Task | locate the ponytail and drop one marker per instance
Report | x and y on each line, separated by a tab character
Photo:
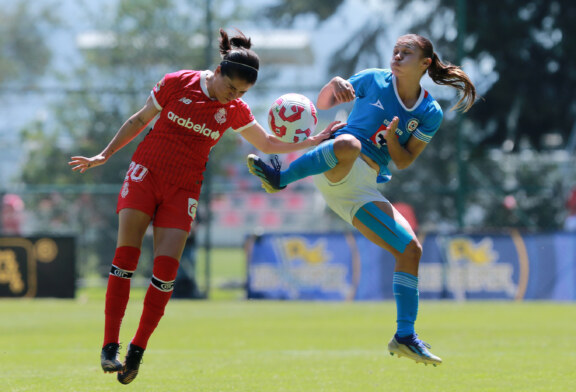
452	75
444	74
238	60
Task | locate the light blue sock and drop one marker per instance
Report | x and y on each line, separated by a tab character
315	161
405	287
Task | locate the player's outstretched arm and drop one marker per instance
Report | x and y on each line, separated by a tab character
270	144
128	131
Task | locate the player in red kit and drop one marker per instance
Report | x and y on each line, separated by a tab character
162	184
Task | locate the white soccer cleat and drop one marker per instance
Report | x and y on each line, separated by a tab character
413	348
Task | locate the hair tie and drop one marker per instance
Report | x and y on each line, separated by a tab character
234	62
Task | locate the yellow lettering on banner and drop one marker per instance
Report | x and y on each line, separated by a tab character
466	249
10	272
297	248
17	270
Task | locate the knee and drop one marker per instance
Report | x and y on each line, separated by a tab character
347	147
413	252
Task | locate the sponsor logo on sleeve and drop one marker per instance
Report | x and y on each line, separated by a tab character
159	85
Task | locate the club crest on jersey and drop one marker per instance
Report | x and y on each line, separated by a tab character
192	207
412	125
220	116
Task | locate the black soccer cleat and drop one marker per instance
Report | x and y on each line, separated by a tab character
270	176
109	358
132	362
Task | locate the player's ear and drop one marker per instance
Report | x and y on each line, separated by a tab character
426	62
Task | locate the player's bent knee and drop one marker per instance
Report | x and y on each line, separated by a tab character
414	249
412	254
347	146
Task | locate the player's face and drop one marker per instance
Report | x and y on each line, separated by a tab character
407	60
226	89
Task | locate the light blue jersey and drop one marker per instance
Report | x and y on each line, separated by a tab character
376	104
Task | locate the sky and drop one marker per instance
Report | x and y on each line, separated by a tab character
19	110
324	39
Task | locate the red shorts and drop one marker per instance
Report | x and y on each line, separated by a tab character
168	205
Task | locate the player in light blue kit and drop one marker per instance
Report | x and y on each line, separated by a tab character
393	119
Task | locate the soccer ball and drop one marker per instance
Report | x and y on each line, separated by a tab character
292	118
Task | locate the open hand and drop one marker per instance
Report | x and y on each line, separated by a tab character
327	132
82	164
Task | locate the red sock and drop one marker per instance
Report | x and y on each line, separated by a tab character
157	296
118	291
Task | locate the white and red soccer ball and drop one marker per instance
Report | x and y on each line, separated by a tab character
292	117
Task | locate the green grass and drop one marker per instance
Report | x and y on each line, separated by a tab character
236	345
230	344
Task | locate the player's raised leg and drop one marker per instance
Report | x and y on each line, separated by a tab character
333	157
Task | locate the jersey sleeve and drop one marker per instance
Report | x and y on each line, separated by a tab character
164	89
244	117
432	120
361	81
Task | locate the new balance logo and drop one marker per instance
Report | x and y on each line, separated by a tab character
378	104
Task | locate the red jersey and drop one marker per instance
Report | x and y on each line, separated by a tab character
190	124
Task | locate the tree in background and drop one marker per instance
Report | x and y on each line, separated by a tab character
134	45
521	56
24	52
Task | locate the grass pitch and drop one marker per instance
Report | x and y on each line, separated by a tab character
237	345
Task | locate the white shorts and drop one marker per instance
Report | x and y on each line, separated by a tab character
348	195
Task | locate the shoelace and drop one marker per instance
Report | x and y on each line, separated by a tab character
419	342
423	343
136	358
276	164
110	349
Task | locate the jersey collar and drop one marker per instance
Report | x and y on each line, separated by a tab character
203	76
420	98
